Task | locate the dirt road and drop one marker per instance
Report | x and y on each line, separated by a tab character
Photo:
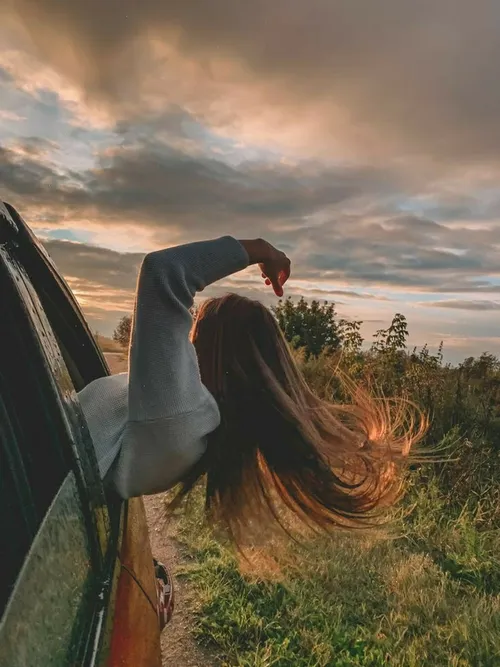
178	646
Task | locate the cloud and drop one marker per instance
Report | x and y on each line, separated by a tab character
102	280
398	77
24	74
146	180
341	225
10	116
458	304
25	174
35	147
333	293
102	265
456	347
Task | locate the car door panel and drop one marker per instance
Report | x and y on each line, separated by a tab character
53	589
134	644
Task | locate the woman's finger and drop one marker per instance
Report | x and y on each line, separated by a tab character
283	276
274	280
278	290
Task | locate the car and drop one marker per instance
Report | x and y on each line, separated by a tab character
78	584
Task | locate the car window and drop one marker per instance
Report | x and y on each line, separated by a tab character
83	360
33	461
16	511
71	352
53	511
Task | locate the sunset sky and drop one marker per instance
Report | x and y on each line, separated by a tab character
360	136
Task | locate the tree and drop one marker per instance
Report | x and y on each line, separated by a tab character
350	336
123	331
390	357
311	326
392	340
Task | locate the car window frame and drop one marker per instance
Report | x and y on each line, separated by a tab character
71	330
63	402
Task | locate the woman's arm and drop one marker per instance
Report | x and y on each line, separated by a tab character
170	410
164	379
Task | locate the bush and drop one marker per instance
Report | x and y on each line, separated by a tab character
309	326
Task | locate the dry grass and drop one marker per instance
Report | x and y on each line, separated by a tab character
109	345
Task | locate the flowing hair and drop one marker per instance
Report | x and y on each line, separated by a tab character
280	449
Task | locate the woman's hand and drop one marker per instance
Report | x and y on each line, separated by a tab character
276	270
274	264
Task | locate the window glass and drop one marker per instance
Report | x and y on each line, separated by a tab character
78	351
65	433
27	402
16	512
54	526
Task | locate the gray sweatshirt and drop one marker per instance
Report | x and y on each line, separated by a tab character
149	426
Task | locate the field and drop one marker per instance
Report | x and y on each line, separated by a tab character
428	595
109	345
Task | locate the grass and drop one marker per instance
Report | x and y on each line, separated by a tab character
430	596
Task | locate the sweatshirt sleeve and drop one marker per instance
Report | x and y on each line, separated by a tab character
170	411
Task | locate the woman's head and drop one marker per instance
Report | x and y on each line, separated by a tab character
279	444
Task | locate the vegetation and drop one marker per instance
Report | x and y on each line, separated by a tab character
108	344
429	595
123	331
311	327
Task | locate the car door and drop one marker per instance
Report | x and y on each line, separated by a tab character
71	550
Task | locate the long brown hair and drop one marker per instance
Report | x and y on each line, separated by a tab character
278	444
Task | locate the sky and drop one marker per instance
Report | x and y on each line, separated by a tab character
361	137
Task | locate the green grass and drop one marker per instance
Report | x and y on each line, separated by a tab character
429	597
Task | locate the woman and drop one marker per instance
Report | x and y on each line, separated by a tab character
230	403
